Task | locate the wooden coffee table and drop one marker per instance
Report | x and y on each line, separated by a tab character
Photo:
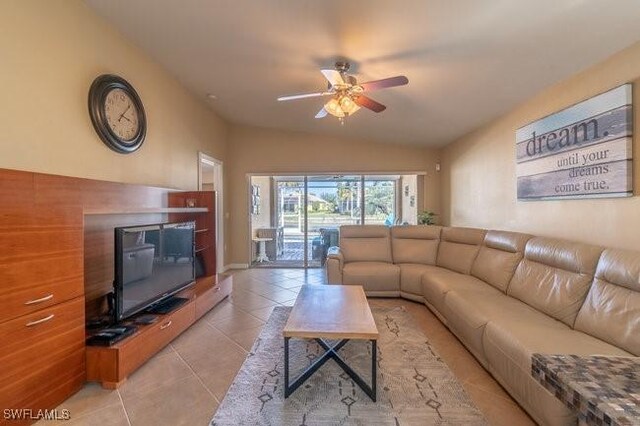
333	312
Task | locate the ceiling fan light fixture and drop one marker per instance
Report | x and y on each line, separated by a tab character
333	107
347	94
348	105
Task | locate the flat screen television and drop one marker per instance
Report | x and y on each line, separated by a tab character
152	263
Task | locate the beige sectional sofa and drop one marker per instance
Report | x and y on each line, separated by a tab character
505	295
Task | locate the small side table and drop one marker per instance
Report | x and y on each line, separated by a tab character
262	249
603	390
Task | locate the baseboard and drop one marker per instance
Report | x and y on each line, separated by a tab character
236	266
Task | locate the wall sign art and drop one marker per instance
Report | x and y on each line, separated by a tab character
255	199
584	151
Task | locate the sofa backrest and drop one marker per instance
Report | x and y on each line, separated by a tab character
365	243
554	276
415	244
611	311
498	257
459	247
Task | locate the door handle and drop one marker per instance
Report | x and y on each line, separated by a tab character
165	325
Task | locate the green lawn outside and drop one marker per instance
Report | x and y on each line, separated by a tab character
324	219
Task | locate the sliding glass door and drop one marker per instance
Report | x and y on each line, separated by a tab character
381	200
332	201
291	220
297	218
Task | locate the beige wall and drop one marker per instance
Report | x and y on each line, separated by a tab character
478	171
51	52
268	151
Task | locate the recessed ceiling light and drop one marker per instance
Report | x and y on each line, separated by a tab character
211	96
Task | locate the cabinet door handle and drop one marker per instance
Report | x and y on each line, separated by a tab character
40	321
165	325
42	299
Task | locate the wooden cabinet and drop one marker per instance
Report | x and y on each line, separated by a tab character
57	266
42	356
210	292
111	365
42	323
37	283
205	224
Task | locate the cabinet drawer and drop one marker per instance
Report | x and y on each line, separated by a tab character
32	285
135	351
211	297
39	352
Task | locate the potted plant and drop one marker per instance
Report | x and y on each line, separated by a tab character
427	218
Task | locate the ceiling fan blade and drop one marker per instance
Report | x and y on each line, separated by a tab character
322	113
399	80
304	95
369	103
334	77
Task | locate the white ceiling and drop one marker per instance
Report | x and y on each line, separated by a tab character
468	61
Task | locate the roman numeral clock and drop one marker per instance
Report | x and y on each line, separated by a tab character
117	113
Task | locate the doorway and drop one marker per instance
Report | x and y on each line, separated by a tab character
210	178
295	219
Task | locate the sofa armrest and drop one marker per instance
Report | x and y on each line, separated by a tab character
334	265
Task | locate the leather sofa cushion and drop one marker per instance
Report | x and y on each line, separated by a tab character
415	244
439	281
498	257
508	345
469	311
459	248
611	311
373	276
411	277
554	276
365	243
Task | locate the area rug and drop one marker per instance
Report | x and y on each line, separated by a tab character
415	387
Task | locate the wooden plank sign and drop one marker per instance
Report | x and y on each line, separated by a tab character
584	151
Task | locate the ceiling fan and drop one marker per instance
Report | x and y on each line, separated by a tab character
347	94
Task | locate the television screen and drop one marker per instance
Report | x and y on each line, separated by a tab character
152	262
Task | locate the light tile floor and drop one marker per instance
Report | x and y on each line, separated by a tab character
185	382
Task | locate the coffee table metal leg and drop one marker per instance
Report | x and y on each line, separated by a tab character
331	353
369	390
289	388
374	368
286	367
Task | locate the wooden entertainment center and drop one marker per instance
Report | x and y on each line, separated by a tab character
57	235
112	364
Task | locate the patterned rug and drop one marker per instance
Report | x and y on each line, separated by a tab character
415	387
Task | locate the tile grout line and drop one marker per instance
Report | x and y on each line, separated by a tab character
126	414
233	341
198	377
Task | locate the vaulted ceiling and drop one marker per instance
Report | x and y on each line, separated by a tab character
467	61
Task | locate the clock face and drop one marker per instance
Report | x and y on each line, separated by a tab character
121	114
117	113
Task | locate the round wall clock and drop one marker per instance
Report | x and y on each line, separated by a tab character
117	113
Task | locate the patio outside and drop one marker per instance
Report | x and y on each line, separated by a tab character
330	204
332	201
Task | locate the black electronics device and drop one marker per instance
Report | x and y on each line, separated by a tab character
145	319
111	335
169	305
152	263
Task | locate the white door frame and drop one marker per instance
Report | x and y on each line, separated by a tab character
218	182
